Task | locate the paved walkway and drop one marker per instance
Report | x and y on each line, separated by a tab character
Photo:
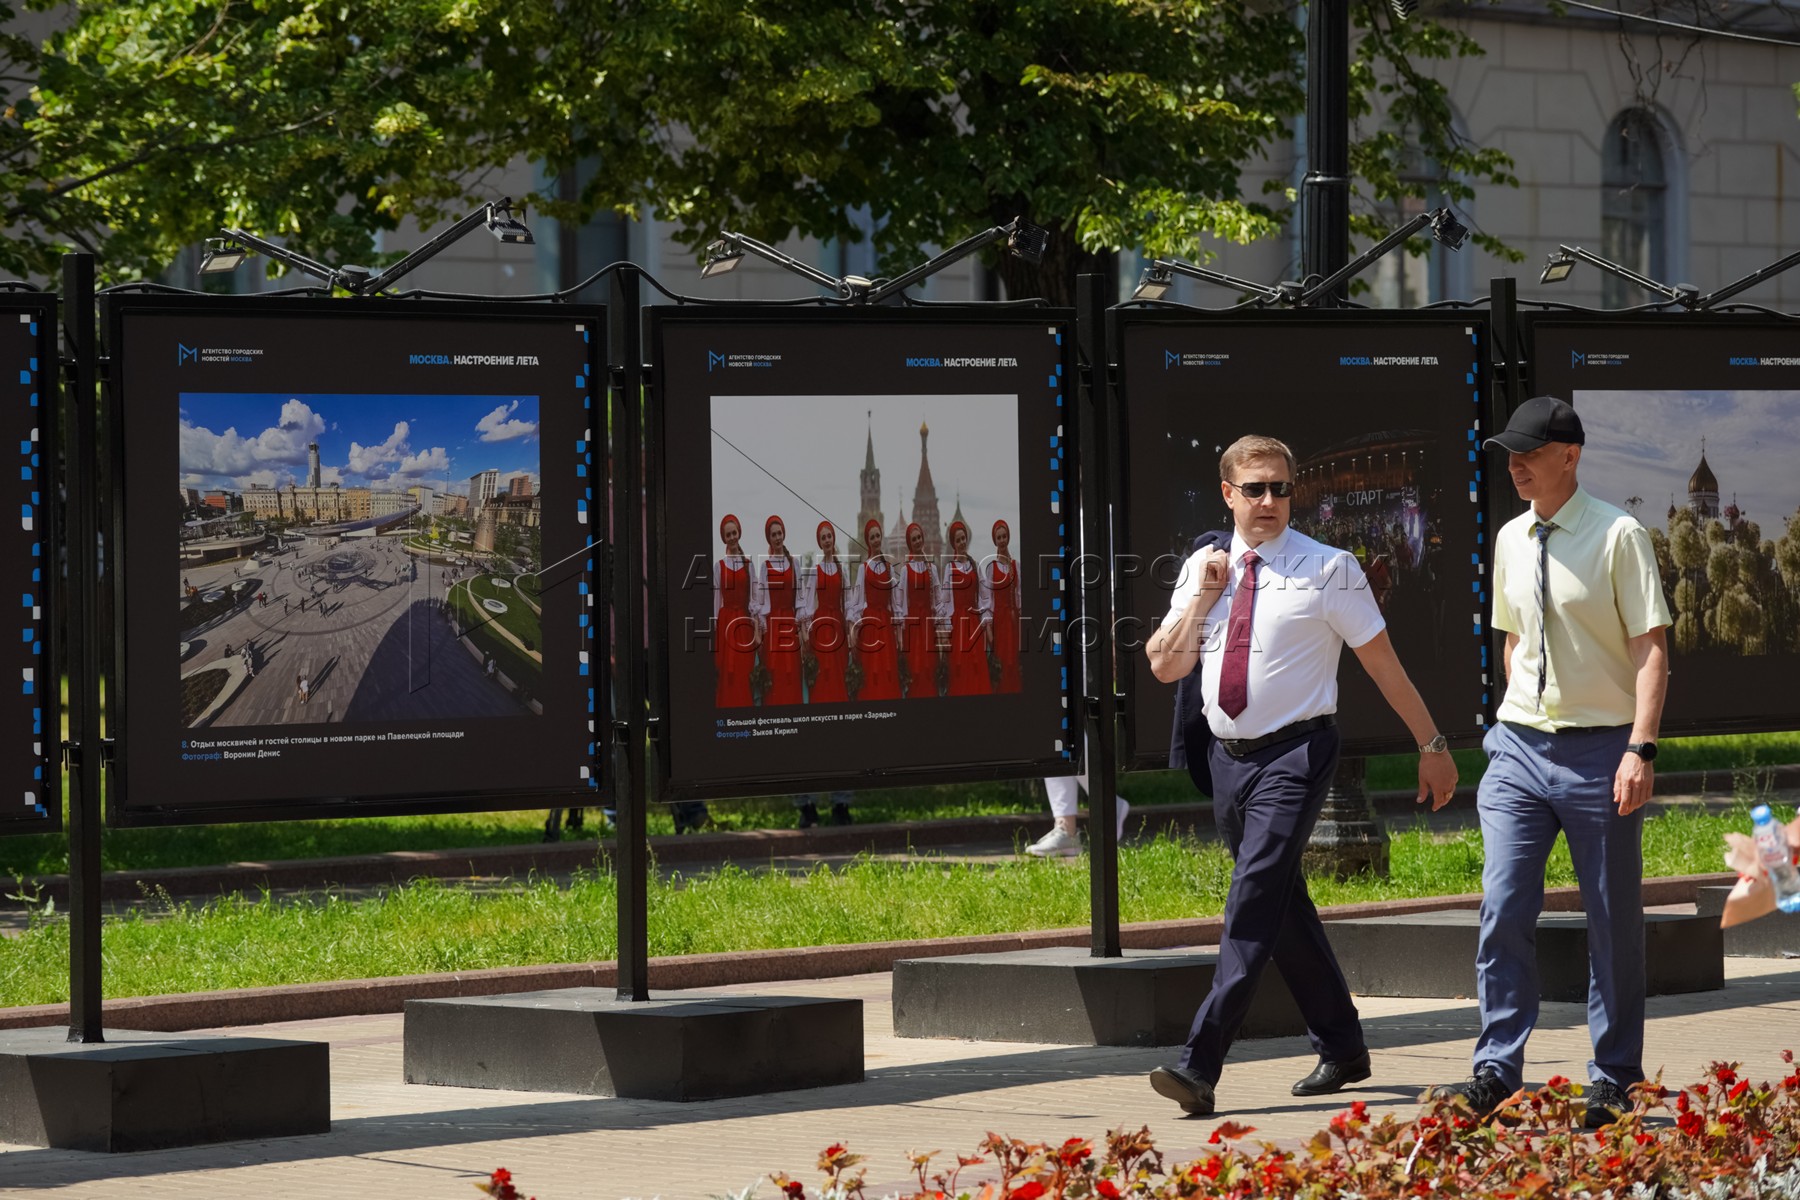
372	641
390	1139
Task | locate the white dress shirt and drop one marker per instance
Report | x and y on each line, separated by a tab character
1311	601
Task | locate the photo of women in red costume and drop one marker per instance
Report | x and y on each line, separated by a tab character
875	612
773	602
918	642
822	619
1000	607
960	604
734	632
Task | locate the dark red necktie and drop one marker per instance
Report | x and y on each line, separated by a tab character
1234	673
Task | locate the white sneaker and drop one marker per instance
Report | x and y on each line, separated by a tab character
1058	843
1124	811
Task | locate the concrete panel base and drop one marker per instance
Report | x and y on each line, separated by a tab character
584	1040
1774	936
151	1091
1062	995
1433	954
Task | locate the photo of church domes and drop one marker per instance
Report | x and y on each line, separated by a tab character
1721	499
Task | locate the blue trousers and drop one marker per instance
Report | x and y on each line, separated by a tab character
1537	784
1265	805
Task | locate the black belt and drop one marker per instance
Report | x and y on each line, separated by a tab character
1287	733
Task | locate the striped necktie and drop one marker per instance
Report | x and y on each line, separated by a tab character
1541	531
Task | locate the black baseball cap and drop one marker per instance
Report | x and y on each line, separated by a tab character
1538	422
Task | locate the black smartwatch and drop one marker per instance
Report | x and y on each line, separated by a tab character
1644	750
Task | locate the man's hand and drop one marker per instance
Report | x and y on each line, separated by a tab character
1632	783
1215	569
1437	778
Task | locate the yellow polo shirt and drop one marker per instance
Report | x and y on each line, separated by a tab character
1604	590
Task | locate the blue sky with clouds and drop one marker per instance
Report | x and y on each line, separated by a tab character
237	440
1647	444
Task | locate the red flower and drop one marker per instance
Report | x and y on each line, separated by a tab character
793	1189
1030	1191
1727	1076
1109	1189
1743	1085
501	1176
1691	1124
1073	1151
1681	1102
1557	1081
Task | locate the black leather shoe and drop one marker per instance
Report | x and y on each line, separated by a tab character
840	814
809	815
1185	1088
1329	1077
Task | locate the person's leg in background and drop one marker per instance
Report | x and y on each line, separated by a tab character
1064	794
807	804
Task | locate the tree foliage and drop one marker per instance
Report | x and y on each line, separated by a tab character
1114	123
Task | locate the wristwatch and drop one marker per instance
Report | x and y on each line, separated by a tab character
1440	744
1644	750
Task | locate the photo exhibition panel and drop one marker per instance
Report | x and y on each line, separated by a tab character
869	526
1383	416
1689	422
379	574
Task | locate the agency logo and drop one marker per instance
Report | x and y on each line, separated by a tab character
185	354
714	359
1576	358
1171	358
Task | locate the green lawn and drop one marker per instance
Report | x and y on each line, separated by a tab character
519	619
431	926
142	849
478	625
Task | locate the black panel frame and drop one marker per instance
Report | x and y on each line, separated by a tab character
1543	377
329	804
1148	751
670	787
48	590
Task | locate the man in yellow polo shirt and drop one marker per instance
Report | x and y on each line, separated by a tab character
1577	593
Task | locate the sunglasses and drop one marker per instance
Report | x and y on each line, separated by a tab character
1281	488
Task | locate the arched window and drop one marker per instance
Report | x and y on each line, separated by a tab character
1634	204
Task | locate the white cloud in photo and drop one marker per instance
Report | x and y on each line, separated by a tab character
425	463
369	460
204	452
1646	444
501	426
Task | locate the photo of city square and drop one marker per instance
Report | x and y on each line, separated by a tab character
358	558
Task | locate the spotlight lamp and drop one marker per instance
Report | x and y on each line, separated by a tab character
1447	230
1403	9
223	256
509	229
722	257
1159	277
1565	258
497	216
1154	283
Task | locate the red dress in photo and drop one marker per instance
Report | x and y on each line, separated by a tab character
968	641
876	637
1003	585
921	637
781	635
829	647
734	639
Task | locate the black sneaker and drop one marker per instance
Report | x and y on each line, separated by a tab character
1606	1103
809	815
1484	1091
840	814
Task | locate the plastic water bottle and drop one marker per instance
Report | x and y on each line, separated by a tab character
1772	849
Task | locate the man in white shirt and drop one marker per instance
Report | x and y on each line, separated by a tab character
1267	621
1579	596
